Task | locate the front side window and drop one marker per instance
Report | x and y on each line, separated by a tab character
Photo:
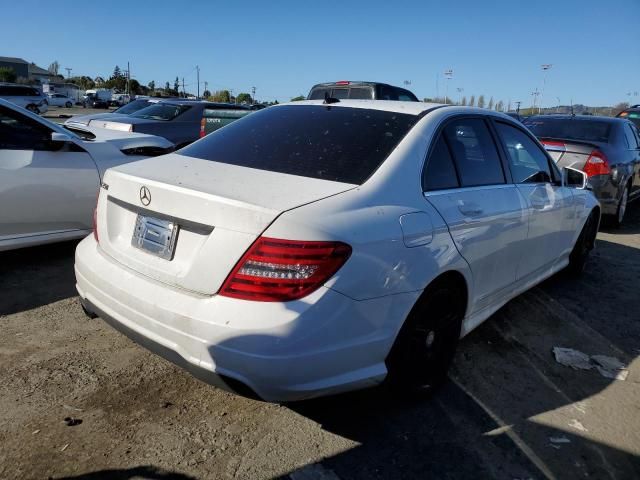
474	152
334	143
527	161
440	172
20	133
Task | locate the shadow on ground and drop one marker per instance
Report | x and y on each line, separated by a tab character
32	277
143	473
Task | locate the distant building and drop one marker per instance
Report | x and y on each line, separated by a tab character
41	75
98	81
20	66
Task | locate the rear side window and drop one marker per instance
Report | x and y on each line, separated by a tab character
527	160
359	93
319	93
474	152
630	136
161	111
570	129
327	142
440	172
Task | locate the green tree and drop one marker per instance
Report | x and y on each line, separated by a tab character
152	85
116	72
167	87
490	105
463	101
176	84
244	98
472	101
620	107
298	98
134	87
206	94
500	106
7	74
221	96
481	101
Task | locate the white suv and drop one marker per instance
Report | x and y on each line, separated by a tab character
24	96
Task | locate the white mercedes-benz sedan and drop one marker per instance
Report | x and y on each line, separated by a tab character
319	247
49	175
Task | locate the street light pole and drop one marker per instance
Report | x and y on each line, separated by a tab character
448	75
460	90
198	75
545	68
253	95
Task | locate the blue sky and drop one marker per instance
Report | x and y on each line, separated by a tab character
495	48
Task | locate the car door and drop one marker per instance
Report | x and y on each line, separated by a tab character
552	212
464	179
633	141
45	187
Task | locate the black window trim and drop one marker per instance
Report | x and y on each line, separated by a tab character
506	172
553	168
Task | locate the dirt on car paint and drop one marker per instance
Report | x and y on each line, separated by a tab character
509	411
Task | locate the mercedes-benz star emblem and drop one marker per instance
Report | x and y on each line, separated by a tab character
145	196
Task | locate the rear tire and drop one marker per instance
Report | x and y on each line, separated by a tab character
584	245
425	347
33	108
68	105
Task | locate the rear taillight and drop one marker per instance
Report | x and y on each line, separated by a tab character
275	270
597	164
343	82
203	123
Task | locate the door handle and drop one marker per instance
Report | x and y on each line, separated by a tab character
470	209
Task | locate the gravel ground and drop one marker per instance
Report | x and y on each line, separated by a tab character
510	410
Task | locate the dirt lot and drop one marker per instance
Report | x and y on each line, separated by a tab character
510	410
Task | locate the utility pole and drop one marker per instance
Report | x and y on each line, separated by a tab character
128	92
68	69
206	86
545	68
517	106
198	71
253	95
184	92
460	90
534	95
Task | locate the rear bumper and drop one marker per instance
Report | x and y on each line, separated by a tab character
607	192
323	344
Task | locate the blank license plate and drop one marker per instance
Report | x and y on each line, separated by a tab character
155	236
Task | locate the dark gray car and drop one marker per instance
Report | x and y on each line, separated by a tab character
179	121
606	149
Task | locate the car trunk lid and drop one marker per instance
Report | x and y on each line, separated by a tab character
218	211
569	153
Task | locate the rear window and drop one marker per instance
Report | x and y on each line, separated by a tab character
132	107
319	93
570	129
326	142
161	111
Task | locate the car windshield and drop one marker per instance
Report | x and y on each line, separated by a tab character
570	129
132	107
161	111
330	143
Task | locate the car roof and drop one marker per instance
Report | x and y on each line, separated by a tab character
587	118
412	108
349	83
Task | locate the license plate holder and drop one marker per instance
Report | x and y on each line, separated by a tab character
155	236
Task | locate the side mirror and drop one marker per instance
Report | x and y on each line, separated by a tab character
574	178
59	137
